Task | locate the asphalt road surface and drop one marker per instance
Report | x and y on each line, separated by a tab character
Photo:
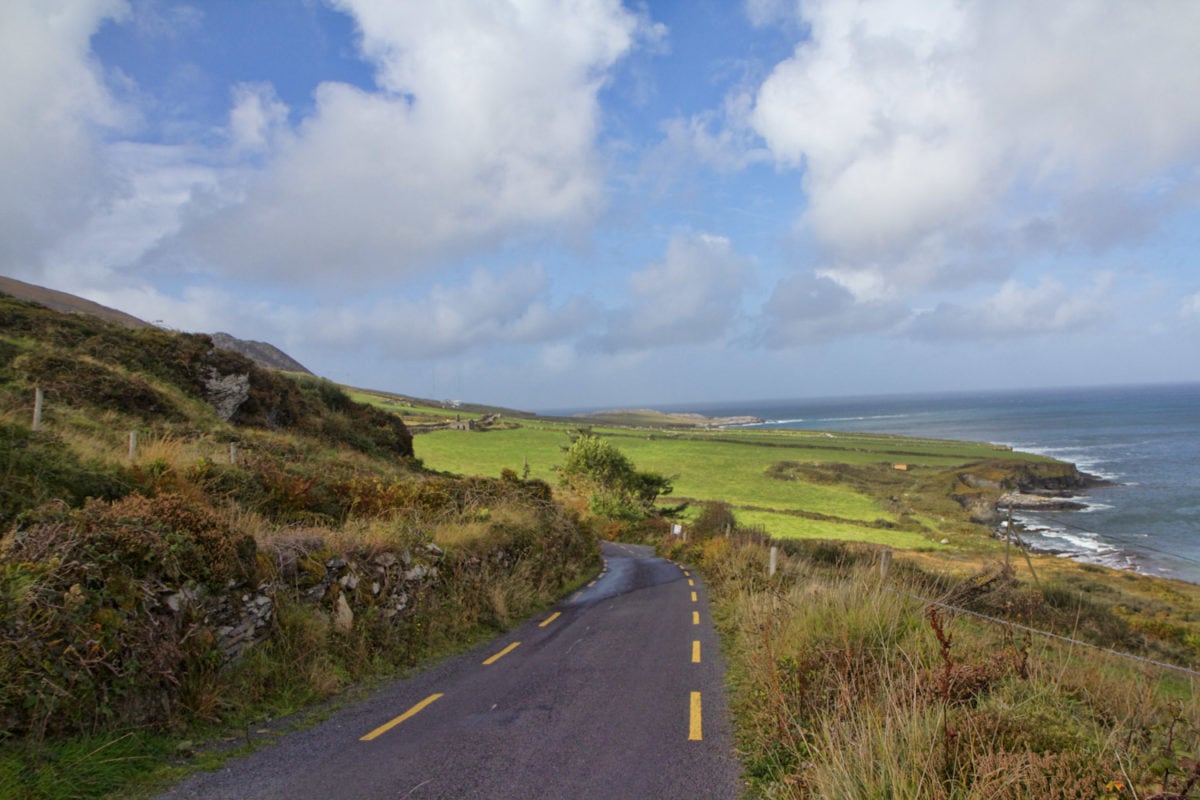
616	692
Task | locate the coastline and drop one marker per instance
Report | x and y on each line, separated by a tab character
1139	445
1031	533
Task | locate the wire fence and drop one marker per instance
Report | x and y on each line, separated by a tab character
1037	631
1047	634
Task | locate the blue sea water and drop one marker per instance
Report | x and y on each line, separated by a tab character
1145	439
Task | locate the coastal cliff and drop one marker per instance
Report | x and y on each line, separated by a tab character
989	489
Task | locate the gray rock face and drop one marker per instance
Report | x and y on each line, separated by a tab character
343	617
226	393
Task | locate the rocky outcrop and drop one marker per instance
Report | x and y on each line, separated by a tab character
1036	502
226	393
992	487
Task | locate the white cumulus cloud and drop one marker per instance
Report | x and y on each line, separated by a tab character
927	129
55	107
482	126
258	116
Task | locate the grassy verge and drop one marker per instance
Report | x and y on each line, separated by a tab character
846	685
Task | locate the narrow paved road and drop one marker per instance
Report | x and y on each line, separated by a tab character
614	693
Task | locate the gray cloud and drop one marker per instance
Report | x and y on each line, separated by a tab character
1018	310
488	311
692	296
809	308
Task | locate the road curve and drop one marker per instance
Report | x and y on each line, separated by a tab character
616	692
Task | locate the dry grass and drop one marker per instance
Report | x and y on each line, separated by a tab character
847	687
465	533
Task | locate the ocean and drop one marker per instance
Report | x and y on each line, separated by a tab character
1144	439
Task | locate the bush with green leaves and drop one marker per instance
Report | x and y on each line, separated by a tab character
596	469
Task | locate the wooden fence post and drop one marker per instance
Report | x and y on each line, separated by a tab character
773	564
132	445
37	408
233	452
885	563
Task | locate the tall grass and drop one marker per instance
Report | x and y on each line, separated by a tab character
846	686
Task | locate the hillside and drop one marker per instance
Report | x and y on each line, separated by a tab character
67	303
262	353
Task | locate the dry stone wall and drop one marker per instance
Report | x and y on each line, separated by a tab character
339	586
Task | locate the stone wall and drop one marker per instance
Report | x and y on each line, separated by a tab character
339	586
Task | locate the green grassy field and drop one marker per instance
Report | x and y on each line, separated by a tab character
839	489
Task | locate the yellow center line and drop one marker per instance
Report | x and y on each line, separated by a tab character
694	597
549	619
687	574
696	651
382	729
691	582
695	617
694	728
502	654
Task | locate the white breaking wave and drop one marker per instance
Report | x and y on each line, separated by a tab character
1083	541
1091	505
863	418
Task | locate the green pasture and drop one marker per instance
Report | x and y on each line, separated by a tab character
787	526
487	453
729	466
735	474
404	407
847	448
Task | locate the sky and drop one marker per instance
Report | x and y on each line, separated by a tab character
591	203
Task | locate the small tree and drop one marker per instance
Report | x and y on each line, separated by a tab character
596	468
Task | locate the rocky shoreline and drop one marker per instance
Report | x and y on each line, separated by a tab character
1039	495
1019	501
1051	493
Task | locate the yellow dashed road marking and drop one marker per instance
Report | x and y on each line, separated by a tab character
501	654
382	729
695	732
